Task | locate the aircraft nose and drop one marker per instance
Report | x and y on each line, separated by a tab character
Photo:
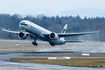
20	24
23	24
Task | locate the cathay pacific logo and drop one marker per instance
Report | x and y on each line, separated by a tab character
63	31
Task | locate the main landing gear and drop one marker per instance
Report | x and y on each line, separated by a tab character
52	44
34	43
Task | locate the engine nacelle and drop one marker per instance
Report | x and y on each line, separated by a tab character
22	35
53	36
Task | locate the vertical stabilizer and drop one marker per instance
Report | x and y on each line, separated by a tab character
63	31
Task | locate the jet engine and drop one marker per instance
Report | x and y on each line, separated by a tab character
22	35
53	36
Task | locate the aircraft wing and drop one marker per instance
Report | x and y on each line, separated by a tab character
76	34
14	31
10	31
73	34
17	32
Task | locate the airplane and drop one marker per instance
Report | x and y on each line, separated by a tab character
37	32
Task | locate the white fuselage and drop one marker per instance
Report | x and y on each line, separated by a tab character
38	32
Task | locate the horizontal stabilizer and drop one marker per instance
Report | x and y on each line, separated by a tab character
71	41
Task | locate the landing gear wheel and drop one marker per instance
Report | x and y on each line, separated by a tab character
34	43
52	44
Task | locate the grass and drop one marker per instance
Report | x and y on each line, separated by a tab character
94	55
78	62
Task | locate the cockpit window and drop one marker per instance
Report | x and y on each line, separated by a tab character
23	23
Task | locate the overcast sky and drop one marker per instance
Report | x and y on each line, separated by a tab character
52	7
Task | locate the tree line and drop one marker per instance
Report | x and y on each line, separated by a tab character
56	24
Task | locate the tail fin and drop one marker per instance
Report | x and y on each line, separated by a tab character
63	31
